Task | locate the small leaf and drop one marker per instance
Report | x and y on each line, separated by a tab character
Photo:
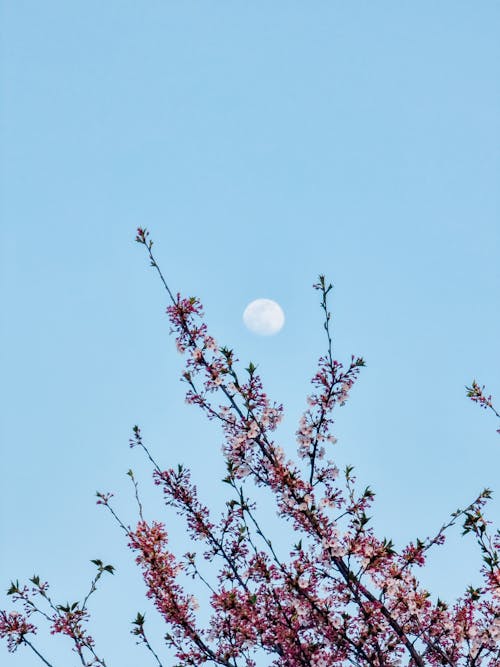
251	368
139	619
14	588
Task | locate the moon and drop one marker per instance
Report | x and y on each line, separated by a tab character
264	317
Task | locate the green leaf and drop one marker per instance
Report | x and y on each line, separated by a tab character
251	368
14	588
139	619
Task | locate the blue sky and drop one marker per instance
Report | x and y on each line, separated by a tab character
261	143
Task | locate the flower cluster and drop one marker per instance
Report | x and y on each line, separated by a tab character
15	627
63	619
476	393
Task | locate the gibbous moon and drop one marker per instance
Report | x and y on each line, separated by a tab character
264	317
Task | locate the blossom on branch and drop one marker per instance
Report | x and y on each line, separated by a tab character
340	594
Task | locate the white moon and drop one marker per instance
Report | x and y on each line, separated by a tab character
264	317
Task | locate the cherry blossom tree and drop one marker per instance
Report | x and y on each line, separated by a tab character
343	596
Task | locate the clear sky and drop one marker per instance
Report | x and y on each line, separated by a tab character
261	143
